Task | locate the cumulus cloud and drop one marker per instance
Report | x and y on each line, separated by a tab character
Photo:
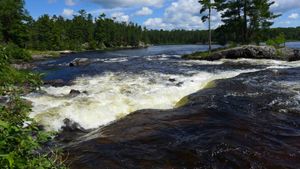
285	5
120	17
181	14
144	11
128	3
68	12
70	2
294	16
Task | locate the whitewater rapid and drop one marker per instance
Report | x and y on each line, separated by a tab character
110	96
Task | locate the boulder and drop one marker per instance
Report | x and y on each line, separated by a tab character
290	54
4	100
248	51
172	79
74	93
79	62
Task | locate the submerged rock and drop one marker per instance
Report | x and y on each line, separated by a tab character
74	93
79	62
55	83
70	131
172	79
249	121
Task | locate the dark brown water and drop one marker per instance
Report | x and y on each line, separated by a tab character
247	121
250	121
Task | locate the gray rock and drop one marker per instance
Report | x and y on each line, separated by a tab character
55	83
256	52
4	100
289	54
248	51
23	66
80	62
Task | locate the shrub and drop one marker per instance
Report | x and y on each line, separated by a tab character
14	52
276	42
20	146
21	139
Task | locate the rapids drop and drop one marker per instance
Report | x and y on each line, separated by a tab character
114	95
126	81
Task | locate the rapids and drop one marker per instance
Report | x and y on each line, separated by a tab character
148	108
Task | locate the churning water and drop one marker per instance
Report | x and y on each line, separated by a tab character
247	118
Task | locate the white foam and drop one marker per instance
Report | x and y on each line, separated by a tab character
114	95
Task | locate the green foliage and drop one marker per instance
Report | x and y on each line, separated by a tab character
203	54
13	52
244	20
276	42
13	19
20	146
21	139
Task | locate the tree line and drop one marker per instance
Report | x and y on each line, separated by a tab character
244	21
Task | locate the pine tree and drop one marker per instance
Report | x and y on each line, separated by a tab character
13	19
207	5
245	17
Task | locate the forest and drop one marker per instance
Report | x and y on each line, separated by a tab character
87	32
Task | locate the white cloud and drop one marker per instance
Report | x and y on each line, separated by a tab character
68	12
294	16
70	2
182	14
285	5
120	17
128	3
144	12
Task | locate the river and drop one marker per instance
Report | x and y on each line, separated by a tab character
247	118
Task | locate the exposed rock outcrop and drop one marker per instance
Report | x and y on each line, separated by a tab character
229	124
23	66
253	52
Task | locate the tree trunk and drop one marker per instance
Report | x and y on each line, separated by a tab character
245	31
209	27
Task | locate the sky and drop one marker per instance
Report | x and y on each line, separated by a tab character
154	14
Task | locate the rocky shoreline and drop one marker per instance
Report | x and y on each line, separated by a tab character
249	51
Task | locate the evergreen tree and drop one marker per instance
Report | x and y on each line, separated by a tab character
207	5
252	16
13	19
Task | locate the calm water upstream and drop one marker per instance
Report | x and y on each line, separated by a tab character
248	118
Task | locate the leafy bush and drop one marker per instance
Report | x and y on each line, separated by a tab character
279	40
20	146
13	52
21	139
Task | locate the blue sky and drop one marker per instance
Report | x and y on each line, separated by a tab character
154	14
